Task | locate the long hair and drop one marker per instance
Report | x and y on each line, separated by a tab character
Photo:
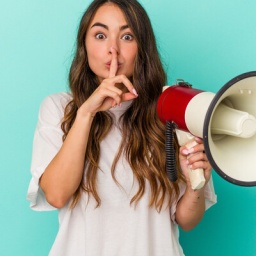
143	134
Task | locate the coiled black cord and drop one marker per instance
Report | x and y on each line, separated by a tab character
170	152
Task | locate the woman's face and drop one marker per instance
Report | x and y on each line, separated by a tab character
109	29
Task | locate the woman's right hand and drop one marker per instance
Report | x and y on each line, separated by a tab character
107	94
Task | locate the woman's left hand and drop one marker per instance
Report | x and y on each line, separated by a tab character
194	158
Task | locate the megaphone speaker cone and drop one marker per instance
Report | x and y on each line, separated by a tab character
229	130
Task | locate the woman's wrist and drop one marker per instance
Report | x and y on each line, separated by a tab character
84	115
194	194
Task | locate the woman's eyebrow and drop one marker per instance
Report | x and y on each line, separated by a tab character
98	24
124	27
106	27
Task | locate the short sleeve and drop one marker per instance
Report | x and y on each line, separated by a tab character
209	194
47	142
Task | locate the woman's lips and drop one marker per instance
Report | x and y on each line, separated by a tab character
109	64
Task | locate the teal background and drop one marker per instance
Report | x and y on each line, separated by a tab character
207	43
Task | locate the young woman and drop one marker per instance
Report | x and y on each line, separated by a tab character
99	151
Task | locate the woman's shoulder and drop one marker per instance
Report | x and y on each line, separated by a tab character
61	98
56	100
53	106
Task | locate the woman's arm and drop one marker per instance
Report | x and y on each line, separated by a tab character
191	207
63	175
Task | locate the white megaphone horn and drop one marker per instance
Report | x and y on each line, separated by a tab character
225	121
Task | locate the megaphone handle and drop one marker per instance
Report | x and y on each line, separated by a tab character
196	176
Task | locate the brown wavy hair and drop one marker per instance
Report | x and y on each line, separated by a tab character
143	134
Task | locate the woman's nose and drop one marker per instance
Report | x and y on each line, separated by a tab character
113	49
114	44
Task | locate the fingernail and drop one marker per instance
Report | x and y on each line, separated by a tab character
134	92
185	151
191	150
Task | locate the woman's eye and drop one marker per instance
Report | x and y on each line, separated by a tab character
100	36
128	37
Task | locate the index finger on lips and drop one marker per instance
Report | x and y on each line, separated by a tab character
114	63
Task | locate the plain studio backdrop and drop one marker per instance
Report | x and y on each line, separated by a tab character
206	43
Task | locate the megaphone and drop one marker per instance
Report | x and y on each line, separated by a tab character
225	121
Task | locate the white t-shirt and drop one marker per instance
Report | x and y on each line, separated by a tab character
116	228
